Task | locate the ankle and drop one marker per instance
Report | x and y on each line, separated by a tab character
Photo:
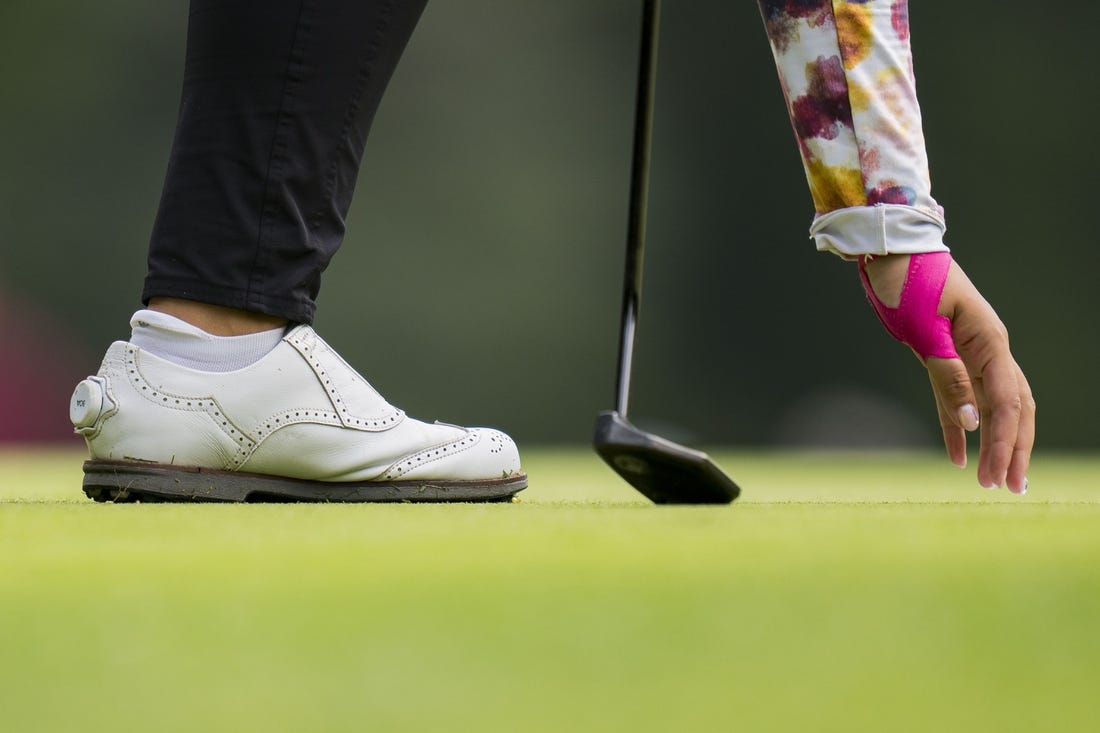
185	344
216	320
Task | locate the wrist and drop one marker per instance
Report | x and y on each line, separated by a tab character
914	317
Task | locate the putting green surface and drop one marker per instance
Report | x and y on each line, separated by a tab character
841	593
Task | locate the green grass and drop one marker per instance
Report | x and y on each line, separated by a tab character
879	593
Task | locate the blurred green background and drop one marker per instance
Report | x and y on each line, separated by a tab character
480	279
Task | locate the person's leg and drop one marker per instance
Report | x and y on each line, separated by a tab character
213	397
278	98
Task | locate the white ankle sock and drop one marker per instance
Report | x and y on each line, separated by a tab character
181	343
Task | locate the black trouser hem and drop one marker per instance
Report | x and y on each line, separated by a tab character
291	309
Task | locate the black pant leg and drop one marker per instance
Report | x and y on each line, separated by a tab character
278	98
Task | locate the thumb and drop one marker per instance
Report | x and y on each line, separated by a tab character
956	402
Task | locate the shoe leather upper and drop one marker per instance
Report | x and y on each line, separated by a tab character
301	412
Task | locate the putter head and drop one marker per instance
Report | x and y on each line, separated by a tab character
666	473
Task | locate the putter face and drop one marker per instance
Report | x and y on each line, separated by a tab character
664	472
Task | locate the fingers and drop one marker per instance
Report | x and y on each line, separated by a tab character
1004	402
985	376
1025	439
955	403
1005	414
1002	413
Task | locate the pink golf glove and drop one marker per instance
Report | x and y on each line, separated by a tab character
915	321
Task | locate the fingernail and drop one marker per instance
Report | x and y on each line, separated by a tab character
990	486
1024	489
968	416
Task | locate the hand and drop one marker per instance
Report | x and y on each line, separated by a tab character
985	381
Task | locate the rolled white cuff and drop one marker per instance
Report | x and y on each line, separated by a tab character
882	229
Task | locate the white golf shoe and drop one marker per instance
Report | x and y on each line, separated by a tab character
298	425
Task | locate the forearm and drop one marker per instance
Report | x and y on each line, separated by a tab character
847	75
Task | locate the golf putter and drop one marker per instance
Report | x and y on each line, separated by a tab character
666	473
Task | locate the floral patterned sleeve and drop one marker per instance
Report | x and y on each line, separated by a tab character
847	74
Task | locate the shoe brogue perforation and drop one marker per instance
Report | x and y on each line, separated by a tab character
315	351
246	444
498	442
207	405
430	455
